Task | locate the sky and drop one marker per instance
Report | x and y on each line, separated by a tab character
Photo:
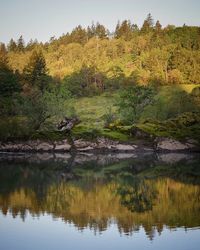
43	19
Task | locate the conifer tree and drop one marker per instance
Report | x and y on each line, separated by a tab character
8	80
36	72
158	27
148	24
20	44
12	46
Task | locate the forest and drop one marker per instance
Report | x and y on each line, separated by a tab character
148	77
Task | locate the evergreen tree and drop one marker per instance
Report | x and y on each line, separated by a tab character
12	46
36	72
20	44
148	24
3	53
124	30
32	44
158	27
117	30
91	31
9	83
149	20
79	35
100	31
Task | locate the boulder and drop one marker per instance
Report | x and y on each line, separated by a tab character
62	147
44	146
124	147
169	144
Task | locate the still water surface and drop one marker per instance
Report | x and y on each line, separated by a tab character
99	202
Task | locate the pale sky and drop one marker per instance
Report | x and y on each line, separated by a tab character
43	19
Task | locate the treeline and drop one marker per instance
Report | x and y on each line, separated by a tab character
99	60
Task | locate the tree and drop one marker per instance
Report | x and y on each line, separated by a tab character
148	24
35	72
38	107
91	30
158	27
149	20
132	102
31	44
12	46
8	80
87	81
100	31
20	44
78	35
125	30
3	53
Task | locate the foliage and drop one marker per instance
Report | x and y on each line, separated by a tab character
9	82
167	55
35	73
132	102
37	80
13	128
183	126
38	107
170	102
109	117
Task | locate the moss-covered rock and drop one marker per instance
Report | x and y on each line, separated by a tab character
185	126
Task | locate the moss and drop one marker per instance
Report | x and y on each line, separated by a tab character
49	135
89	133
85	132
184	126
115	135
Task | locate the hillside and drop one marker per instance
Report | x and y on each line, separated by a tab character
146	78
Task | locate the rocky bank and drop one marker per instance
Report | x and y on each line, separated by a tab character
160	144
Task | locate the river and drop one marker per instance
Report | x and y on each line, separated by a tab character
99	201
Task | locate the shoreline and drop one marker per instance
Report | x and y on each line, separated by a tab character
101	145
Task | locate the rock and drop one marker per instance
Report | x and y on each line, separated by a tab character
15	147
62	146
89	148
44	146
101	144
81	143
124	147
168	144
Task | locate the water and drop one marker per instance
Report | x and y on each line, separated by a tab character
115	201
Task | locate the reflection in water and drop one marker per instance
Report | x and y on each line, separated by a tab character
166	203
128	193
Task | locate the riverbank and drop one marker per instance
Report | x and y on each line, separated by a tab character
159	144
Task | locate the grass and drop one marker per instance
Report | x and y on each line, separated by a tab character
91	110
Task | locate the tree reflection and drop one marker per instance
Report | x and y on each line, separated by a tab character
95	202
137	197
